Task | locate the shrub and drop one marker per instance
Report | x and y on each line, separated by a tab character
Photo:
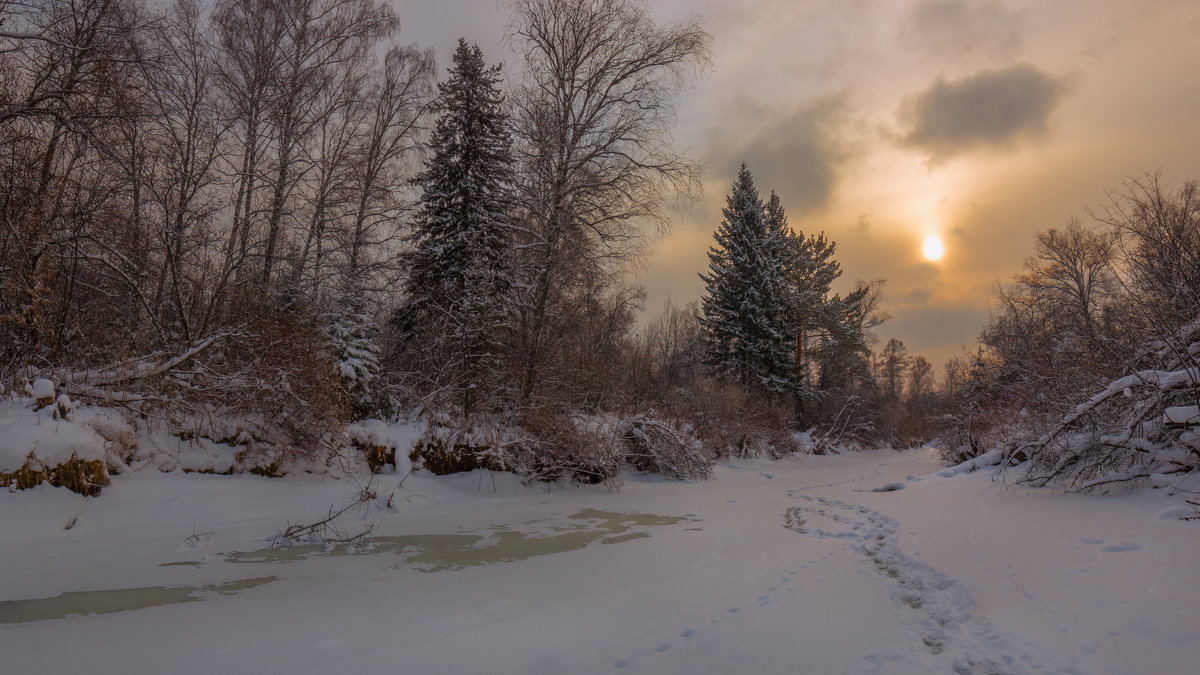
652	446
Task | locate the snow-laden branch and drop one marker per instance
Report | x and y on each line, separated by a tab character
96	382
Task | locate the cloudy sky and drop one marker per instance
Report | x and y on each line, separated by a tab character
881	122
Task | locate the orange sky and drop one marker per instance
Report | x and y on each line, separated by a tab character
880	122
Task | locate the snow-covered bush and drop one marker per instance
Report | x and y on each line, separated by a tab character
1140	427
550	445
651	445
445	448
39	445
564	446
264	399
374	440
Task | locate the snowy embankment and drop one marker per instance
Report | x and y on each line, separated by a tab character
41	436
812	565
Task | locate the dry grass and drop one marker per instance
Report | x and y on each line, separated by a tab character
377	456
84	477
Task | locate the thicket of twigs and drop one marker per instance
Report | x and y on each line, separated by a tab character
1089	370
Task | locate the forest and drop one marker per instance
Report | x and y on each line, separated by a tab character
259	226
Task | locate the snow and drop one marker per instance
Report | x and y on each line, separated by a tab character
1187	414
43	388
808	570
41	438
987	459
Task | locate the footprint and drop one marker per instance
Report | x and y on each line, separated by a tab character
1122	547
687	633
934	604
733	610
620	663
662	648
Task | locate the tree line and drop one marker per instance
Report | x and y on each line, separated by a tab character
262	219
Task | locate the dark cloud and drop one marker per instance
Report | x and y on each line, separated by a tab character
990	110
955	28
797	153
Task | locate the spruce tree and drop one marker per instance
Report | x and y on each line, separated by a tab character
746	308
457	293
354	338
816	316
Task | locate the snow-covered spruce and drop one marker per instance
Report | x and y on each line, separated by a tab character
457	294
748	317
354	338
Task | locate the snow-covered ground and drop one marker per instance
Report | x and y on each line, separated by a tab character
856	563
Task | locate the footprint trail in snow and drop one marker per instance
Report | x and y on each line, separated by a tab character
933	608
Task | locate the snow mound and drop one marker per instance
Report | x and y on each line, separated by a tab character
985	460
1177	513
396	437
43	438
42	389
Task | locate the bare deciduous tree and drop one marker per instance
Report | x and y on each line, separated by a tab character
593	117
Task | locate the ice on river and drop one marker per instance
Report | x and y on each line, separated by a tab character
810	565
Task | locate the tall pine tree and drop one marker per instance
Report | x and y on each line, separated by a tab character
457	294
747	308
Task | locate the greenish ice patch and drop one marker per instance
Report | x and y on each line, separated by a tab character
438	552
79	603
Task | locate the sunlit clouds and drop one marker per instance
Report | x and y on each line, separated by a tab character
983	122
880	122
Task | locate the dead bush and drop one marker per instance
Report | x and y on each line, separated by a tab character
550	443
653	446
730	421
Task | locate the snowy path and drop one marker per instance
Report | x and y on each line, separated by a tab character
866	563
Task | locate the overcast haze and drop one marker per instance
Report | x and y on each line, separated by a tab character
882	122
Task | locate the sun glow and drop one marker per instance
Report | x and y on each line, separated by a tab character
933	248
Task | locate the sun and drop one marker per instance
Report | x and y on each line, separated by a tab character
933	248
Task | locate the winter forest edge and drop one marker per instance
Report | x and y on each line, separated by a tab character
246	237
